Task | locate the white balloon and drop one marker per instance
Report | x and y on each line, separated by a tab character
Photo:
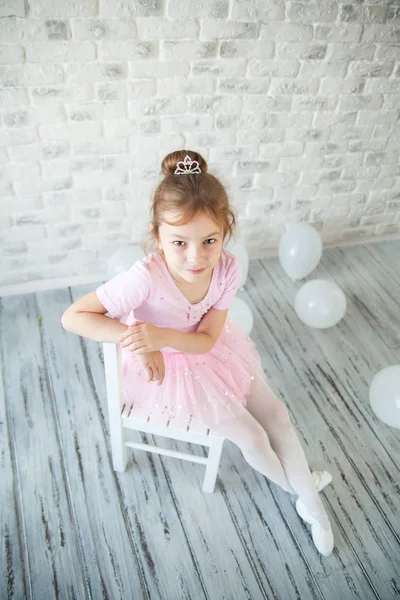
241	313
320	303
238	249
384	395
123	259
300	250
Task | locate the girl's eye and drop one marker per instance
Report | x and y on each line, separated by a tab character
212	240
178	243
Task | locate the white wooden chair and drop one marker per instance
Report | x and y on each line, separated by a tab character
124	420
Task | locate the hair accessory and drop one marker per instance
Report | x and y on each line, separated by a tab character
188	166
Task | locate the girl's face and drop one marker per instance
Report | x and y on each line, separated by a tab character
192	250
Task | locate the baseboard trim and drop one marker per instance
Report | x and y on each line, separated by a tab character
30	287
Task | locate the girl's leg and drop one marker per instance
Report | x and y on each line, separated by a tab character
248	434
273	416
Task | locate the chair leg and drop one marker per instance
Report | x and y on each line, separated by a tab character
118	449
214	457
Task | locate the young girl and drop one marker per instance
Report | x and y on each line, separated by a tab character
181	355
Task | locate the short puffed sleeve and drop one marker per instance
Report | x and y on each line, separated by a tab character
126	291
233	274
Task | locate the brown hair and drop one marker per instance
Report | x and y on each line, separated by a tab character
189	195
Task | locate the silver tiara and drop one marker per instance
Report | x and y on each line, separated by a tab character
187	166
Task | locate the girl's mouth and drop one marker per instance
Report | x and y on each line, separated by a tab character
196	272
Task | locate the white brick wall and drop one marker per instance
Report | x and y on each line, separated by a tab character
294	104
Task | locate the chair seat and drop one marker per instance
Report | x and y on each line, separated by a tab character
185	430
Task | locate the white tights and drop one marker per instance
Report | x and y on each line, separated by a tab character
270	445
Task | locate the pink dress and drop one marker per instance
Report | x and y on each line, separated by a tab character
211	387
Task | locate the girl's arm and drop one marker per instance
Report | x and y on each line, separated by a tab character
145	337
86	317
204	338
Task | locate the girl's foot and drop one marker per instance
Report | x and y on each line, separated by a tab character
322	537
321	479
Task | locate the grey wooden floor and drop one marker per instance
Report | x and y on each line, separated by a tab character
71	527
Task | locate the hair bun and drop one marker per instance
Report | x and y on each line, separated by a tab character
170	162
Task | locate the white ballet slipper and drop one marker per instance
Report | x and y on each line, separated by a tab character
321	479
322	538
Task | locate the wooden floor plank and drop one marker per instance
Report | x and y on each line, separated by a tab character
13	531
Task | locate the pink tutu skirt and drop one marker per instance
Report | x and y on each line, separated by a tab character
210	388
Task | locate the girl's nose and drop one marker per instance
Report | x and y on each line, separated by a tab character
195	256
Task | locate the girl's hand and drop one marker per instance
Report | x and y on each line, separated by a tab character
141	338
153	365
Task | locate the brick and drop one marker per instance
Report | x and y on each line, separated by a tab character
339	33
357	102
15	137
273	68
22	75
241	121
216	104
314	103
275	179
264	136
191	50
286	32
348	51
165	29
156	68
31	116
12	55
289	86
99	146
158	106
258	10
127	50
91	72
103	29
232	153
386	52
131	8
60	52
77	92
217	9
210	138
308	51
49	8
305	13
382	85
370	69
280	150
294	134
73	132
12	8
220	68
267	103
96	111
224	28
12	98
322	68
381	33
240	48
186	85
327	119
373	117
363	14
243	86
